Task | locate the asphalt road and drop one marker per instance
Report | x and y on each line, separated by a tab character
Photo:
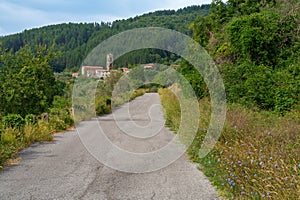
64	169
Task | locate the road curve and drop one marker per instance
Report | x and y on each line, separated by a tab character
64	169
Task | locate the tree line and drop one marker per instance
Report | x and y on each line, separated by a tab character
76	40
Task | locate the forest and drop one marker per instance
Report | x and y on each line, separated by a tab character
256	47
75	41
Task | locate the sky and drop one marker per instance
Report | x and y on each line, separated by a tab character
18	15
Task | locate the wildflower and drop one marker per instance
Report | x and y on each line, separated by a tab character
286	178
219	159
276	166
268	193
243	145
255	175
243	187
271	158
263	196
282	189
249	152
230	156
261	163
269	133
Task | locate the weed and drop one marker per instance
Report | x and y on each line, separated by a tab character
257	155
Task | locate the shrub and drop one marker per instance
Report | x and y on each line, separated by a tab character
13	121
103	105
60	119
9	136
57	124
9	144
30	119
171	107
14	139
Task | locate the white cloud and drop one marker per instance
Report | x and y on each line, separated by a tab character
176	4
12	13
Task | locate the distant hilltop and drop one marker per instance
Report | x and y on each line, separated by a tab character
75	40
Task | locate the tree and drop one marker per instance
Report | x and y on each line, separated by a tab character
27	81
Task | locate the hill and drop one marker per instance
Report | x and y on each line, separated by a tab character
75	40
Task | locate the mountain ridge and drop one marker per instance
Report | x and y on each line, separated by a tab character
76	40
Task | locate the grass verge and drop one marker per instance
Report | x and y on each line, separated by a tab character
257	155
15	139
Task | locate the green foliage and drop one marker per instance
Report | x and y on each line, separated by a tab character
256	37
13	121
60	114
14	139
171	107
8	144
194	78
75	41
103	96
103	105
262	87
257	154
27	89
27	81
30	119
256	45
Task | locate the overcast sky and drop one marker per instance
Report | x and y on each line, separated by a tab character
18	15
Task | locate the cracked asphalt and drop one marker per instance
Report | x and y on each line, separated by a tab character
63	169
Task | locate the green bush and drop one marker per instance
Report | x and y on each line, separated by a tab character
13	121
9	136
9	144
103	105
30	119
60	114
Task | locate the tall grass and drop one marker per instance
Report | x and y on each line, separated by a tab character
257	155
15	139
171	107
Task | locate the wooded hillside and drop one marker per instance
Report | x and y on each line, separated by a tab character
75	41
